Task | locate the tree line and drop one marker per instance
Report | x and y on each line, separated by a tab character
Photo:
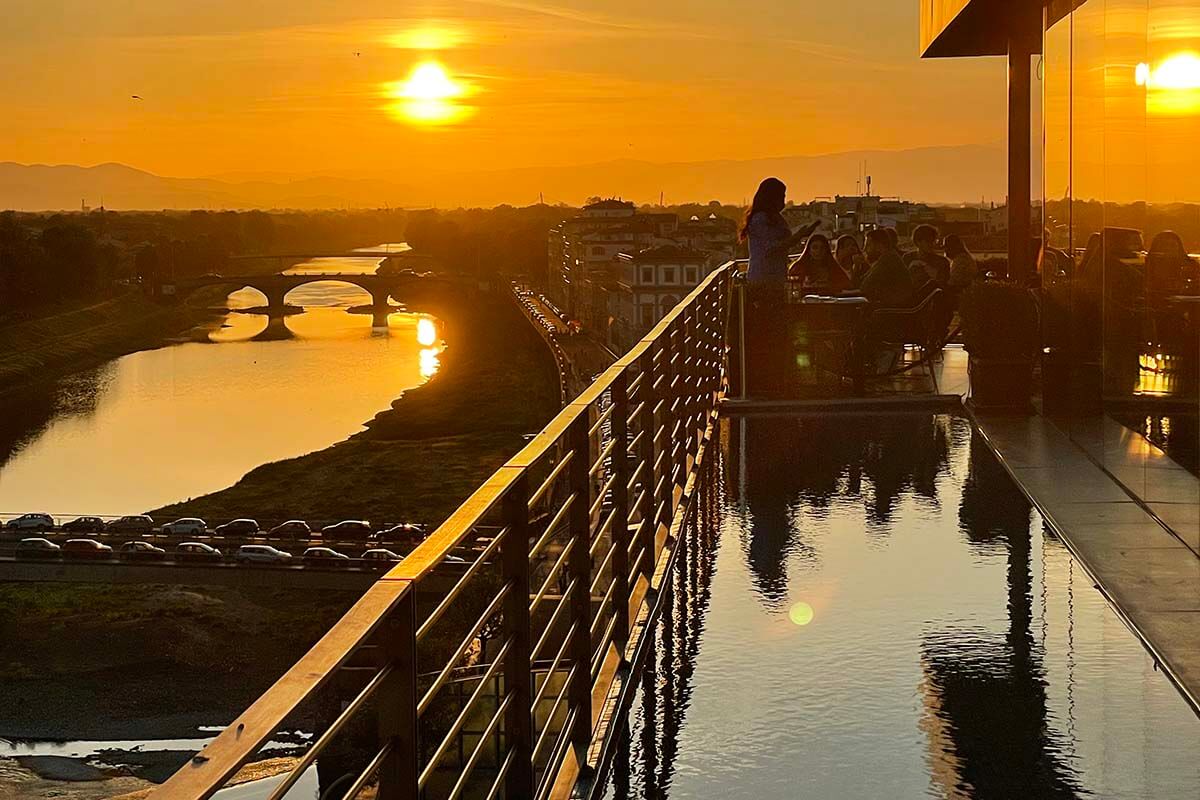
49	259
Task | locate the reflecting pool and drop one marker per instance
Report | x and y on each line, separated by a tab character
868	608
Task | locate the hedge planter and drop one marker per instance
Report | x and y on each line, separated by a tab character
1002	335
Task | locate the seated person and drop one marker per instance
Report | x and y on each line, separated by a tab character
963	269
850	258
925	263
1169	268
816	267
886	283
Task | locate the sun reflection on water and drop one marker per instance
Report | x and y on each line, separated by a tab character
430	363
426	332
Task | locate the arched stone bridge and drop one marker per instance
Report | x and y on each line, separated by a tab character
277	286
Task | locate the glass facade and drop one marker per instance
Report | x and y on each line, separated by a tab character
1120	274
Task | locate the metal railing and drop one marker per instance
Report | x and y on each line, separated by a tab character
495	687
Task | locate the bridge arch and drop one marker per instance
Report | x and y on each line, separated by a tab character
313	289
216	292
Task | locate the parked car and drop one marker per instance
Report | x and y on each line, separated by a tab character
294	528
84	525
140	551
347	529
262	554
238	527
86	548
31	522
325	557
134	523
36	547
404	533
380	558
186	526
197	551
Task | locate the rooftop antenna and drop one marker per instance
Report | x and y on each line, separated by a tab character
660	199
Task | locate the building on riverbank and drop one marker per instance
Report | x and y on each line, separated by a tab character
650	284
586	262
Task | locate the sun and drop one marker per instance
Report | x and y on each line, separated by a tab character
429	81
429	95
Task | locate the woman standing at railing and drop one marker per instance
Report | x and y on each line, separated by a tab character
769	239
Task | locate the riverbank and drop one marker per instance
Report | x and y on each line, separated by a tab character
106	662
75	339
419	459
102	662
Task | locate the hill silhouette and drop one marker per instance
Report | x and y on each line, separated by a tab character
952	174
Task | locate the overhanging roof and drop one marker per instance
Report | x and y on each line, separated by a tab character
954	28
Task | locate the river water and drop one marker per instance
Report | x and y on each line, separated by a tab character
180	421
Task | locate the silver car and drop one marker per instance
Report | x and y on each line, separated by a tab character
186	526
262	554
31	522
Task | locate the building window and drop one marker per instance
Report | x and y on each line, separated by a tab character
597	251
668	275
647	315
647	274
690	274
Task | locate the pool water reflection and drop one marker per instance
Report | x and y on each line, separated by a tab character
874	611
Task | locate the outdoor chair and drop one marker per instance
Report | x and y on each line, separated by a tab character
922	326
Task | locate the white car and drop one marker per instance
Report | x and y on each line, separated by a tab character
186	526
31	522
262	554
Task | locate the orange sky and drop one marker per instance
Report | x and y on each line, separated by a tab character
266	86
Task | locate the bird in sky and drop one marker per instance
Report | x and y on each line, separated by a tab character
136	96
357	54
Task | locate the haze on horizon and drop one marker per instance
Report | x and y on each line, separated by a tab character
278	90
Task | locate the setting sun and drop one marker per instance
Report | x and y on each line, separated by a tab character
429	95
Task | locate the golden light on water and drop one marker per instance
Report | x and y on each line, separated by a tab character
1172	85
801	614
429	362
429	96
426	332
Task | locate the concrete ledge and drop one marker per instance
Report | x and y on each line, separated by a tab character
916	402
1150	577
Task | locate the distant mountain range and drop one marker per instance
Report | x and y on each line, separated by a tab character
931	174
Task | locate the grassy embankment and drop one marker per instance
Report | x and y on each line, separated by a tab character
80	337
421	458
145	661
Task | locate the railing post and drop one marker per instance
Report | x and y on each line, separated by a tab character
398	703
620	514
690	389
579	691
666	493
648	520
518	676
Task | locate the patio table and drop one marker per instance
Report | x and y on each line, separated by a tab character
834	316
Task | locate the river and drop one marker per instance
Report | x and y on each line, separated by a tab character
164	425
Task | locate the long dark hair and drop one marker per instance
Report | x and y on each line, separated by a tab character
954	246
807	255
770	198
